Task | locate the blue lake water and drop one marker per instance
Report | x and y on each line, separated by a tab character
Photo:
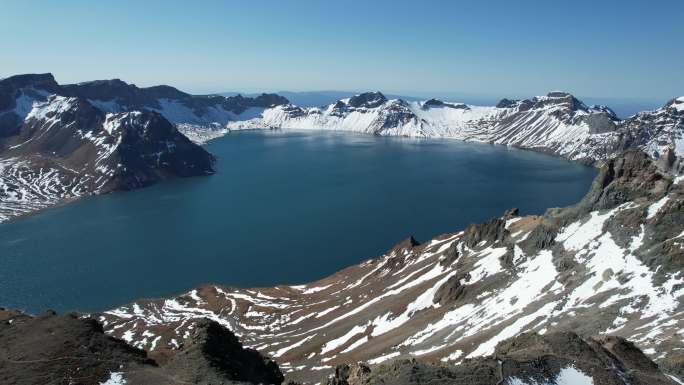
284	207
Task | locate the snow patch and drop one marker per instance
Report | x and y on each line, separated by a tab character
655	207
115	378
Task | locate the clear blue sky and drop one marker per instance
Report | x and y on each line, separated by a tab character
631	49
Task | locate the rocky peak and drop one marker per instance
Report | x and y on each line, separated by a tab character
153	149
367	100
113	89
39	81
506	103
436	103
17	94
604	109
558	94
552	99
212	354
676	105
492	231
263	100
130	97
271	99
166	92
50	128
406	244
433	103
132	149
559	99
631	175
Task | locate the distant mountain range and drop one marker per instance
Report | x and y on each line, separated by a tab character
623	107
60	142
557	123
318	98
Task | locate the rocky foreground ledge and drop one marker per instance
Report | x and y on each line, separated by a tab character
69	349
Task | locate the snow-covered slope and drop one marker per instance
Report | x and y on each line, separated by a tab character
557	123
55	147
610	265
25	188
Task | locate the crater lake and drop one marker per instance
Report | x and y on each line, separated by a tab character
284	207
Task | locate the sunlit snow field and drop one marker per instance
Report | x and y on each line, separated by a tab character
284	207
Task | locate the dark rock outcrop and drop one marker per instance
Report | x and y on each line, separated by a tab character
407	243
367	100
350	374
628	177
436	103
16	94
600	123
213	354
631	176
451	291
69	349
414	372
53	349
491	231
556	358
158	152
506	103
130	97
606	360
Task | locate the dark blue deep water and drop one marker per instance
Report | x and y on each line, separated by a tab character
284	207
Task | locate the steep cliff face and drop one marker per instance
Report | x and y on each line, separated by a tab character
609	265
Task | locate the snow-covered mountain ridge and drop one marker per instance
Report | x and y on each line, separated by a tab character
557	123
55	147
200	117
32	178
609	265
